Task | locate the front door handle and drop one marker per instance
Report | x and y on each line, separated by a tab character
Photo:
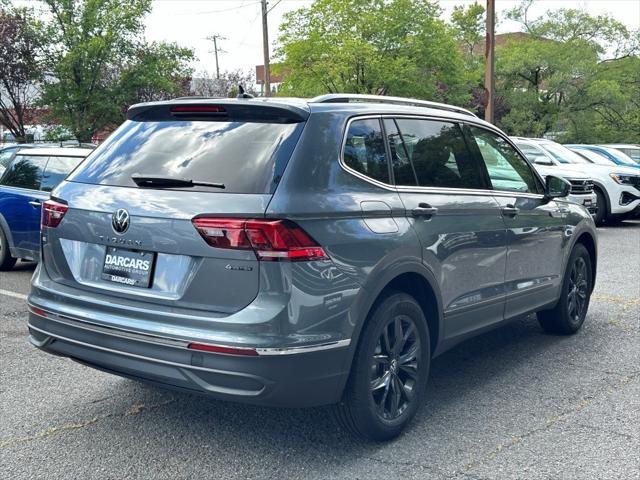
35	203
424	210
510	211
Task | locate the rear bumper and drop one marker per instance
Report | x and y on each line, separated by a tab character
305	377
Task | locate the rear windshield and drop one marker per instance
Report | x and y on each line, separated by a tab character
246	157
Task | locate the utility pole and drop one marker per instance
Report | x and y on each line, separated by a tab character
265	48
489	79
214	38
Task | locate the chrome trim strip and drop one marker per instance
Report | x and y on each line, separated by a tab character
304	349
175	343
417	189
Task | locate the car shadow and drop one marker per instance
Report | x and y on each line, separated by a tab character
470	370
23	265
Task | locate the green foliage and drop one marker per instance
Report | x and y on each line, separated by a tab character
557	80
394	47
99	63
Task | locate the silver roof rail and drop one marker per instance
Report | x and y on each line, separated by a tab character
355	98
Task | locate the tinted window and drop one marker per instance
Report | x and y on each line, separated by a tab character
364	149
5	158
25	172
435	154
246	157
507	169
56	170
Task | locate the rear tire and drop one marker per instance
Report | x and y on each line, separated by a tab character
389	371
6	260
569	313
602	212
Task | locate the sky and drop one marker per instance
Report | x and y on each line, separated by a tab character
190	22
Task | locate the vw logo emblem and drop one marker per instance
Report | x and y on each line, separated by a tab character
120	221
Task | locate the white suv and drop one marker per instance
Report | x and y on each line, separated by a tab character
582	191
617	188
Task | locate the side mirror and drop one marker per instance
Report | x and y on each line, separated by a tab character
543	161
556	187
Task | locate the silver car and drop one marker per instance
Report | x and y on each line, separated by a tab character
298	252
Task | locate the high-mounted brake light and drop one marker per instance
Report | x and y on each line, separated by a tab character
271	240
197	109
52	213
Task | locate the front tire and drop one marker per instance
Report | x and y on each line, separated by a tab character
389	372
6	260
569	313
602	212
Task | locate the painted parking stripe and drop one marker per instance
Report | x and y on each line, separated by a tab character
9	293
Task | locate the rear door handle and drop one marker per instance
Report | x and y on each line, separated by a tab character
35	203
424	210
510	211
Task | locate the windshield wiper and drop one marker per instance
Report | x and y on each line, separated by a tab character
158	181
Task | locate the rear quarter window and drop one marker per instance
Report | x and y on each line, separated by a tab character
247	157
25	172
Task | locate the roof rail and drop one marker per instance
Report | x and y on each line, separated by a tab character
355	98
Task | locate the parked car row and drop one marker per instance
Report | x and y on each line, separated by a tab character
603	179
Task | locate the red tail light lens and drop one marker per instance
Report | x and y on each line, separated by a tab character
52	213
271	240
250	352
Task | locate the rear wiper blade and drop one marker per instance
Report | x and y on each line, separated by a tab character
158	181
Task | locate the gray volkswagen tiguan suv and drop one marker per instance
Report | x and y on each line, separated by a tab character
294	252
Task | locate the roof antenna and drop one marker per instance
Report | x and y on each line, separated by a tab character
242	94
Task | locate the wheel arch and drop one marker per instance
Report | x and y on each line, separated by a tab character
417	281
598	186
4	226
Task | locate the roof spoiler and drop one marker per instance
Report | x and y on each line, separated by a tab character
247	110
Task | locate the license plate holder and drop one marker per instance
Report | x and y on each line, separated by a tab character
128	267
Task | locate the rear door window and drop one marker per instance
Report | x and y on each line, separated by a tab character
57	170
364	149
433	153
5	158
25	172
246	157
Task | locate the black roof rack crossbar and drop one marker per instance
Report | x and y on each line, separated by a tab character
355	98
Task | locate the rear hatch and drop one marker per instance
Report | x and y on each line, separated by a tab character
151	215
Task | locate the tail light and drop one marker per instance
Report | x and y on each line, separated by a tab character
271	240
52	213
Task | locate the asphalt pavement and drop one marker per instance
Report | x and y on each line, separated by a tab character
513	403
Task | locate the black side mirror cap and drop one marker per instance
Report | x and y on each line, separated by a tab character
556	187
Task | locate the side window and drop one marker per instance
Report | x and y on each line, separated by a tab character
364	149
507	169
403	171
57	170
434	154
25	172
5	158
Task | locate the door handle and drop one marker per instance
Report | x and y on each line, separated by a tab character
35	203
510	211
424	210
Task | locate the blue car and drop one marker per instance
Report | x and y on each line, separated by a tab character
27	175
612	154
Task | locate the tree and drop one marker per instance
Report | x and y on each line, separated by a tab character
100	64
574	75
469	30
20	71
394	47
206	85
